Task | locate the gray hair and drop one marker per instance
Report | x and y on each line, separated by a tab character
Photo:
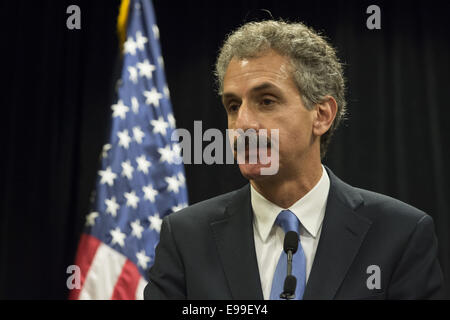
316	69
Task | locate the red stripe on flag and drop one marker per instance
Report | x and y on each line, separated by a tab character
85	255
126	285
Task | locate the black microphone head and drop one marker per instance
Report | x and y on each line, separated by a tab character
290	283
291	242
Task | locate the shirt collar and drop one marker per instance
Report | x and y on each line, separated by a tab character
310	209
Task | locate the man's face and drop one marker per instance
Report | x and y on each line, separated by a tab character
260	93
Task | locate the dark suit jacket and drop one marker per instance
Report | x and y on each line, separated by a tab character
207	251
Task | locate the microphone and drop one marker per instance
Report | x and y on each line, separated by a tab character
290	246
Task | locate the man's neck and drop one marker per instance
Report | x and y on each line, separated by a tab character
287	190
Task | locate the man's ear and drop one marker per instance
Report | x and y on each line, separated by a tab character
324	115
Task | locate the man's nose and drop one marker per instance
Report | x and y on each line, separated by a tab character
246	118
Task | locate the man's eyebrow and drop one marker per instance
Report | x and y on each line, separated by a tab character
228	95
260	87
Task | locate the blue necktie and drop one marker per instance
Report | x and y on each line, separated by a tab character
288	221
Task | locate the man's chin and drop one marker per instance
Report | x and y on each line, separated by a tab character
252	171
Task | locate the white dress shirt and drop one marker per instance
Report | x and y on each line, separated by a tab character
269	238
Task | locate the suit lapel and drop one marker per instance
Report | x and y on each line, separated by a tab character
342	234
233	233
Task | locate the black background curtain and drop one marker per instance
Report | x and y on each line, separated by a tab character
57	88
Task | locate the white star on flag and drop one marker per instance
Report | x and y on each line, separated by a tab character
143	164
140	40
127	169
181	178
159	125
172	184
132	199
129	46
90	219
149	193
143	260
161	61
133	74
124	138
107	176
119	109
146	69
105	150
166	153
171	120
152	97
134	105
176	151
138	134
112	206
155	222
117	237
155	30
137	229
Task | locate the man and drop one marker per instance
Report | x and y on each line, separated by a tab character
354	244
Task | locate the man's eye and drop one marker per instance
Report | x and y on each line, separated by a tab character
233	108
267	102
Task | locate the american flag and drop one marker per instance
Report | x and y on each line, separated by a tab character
141	179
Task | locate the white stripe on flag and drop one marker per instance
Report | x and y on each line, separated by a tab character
103	274
140	289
